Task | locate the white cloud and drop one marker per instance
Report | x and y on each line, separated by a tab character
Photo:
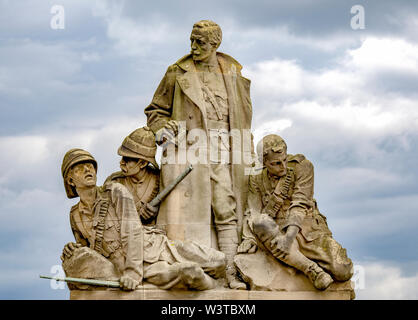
383	280
352	118
22	150
341	97
384	54
270	127
279	77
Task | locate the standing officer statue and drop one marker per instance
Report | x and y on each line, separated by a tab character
204	92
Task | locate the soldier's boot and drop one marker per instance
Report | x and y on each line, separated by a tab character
228	244
319	278
266	230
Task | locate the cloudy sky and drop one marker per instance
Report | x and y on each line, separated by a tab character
345	98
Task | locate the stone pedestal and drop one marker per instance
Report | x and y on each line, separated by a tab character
335	292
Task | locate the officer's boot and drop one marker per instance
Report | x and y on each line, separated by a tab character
228	244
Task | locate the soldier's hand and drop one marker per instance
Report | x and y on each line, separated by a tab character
148	212
247	246
67	252
128	281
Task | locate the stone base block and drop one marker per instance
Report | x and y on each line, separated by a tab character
337	291
144	293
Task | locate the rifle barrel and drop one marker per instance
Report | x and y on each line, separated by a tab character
160	197
102	283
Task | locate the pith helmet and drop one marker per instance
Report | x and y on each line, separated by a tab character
270	142
140	144
71	158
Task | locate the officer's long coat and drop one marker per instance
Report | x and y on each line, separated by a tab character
179	97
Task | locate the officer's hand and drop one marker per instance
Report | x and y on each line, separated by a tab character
67	252
173	126
247	246
168	133
128	281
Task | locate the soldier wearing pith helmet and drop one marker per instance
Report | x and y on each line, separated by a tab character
105	220
139	171
94	218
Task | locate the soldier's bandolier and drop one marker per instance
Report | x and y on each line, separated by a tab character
115	233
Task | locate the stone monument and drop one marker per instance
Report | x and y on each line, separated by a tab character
215	222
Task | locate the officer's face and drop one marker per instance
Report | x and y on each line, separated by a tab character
83	175
131	166
202	49
276	163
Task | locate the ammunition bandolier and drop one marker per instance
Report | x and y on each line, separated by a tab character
98	246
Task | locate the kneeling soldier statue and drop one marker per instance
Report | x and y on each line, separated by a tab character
282	217
105	220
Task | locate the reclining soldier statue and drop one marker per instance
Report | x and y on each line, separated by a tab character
282	217
105	220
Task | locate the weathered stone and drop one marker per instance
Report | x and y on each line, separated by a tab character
87	263
287	250
152	293
201	102
264	273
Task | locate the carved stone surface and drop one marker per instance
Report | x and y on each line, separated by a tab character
87	263
264	273
151	293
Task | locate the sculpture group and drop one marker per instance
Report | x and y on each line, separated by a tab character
233	203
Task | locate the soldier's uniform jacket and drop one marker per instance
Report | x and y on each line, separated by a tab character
143	191
111	227
298	207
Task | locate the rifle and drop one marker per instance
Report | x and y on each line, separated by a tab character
102	283
160	197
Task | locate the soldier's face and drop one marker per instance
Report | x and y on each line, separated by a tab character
202	49
83	175
130	166
276	163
